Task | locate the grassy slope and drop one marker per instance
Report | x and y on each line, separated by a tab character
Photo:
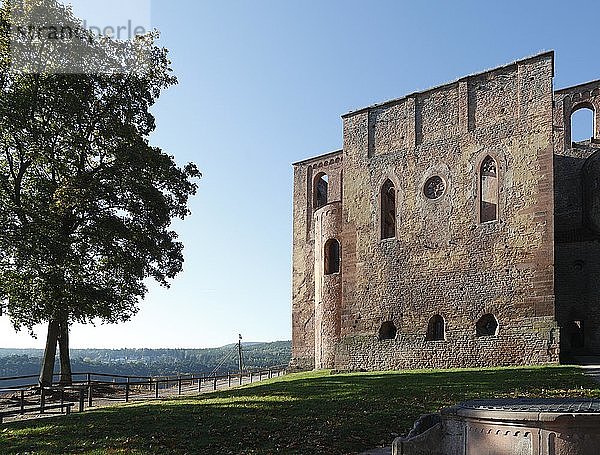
301	413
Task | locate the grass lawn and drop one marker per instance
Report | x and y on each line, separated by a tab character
305	413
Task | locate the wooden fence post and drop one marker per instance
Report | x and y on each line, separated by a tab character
81	399
228	379
22	401
156	385
127	391
200	383
178	385
89	383
215	384
42	399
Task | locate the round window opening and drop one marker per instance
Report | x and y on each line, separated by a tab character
435	187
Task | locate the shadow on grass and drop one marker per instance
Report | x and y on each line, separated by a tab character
304	413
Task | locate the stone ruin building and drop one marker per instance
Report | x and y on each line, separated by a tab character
458	226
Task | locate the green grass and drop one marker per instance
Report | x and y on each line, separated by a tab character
306	413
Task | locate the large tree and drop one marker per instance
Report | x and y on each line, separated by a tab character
86	203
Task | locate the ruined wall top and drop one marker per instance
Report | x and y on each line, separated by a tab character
445	86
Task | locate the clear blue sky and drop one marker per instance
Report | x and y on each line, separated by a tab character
263	84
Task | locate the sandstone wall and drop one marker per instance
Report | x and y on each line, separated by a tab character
303	259
328	287
577	247
443	260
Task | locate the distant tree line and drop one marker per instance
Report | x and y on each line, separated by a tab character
152	362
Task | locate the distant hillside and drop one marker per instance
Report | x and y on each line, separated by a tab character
153	362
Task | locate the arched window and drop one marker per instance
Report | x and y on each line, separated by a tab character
332	256
582	123
488	190
388	210
436	329
387	331
320	190
487	326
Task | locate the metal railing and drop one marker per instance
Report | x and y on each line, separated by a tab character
88	388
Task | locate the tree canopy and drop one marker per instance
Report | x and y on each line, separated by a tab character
86	202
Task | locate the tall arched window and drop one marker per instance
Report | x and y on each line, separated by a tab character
321	187
488	190
436	329
388	210
487	326
582	123
332	256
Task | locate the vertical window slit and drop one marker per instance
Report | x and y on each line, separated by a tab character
488	190
332	257
388	210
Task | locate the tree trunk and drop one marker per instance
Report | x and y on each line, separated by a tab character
47	370
65	358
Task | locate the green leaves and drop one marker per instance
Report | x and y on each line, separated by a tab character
85	202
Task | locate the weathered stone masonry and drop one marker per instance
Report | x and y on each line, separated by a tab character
428	240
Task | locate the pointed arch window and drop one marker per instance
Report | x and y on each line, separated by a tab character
321	188
332	257
488	190
436	329
388	210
